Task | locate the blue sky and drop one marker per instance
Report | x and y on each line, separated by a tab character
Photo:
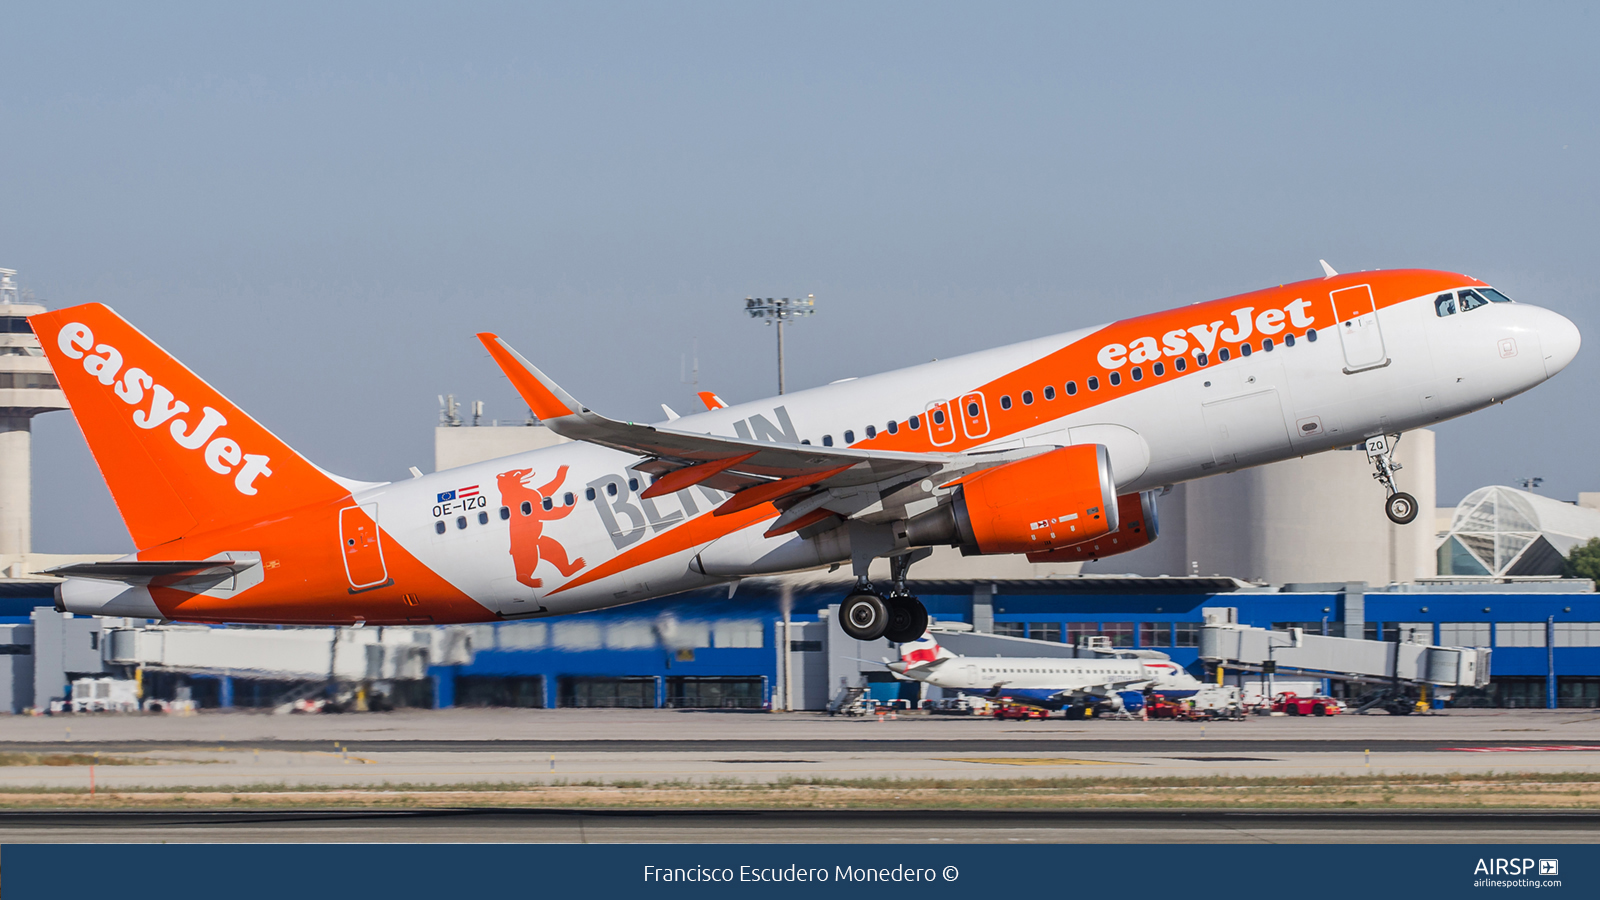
316	207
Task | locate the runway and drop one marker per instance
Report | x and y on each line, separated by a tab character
503	749
800	826
1033	745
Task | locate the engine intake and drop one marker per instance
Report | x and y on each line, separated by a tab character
1033	505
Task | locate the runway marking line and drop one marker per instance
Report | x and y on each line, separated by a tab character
1543	748
1032	761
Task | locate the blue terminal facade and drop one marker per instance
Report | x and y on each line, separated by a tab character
709	650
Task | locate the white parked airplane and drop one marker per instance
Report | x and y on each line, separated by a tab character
1050	682
1050	447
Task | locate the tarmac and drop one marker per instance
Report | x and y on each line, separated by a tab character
803	826
499	746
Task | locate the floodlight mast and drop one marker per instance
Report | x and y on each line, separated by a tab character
780	311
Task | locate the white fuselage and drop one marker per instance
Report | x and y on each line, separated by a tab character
1051	681
1292	401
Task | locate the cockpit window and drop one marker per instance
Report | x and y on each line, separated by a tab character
1445	305
1470	300
1494	295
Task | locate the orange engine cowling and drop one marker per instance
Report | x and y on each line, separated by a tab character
1042	503
1138	526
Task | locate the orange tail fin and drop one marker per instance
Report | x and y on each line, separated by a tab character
178	456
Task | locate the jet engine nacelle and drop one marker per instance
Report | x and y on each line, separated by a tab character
1034	505
1138	526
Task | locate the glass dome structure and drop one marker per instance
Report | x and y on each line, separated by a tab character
1501	531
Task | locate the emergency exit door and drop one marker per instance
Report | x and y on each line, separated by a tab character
1359	333
363	548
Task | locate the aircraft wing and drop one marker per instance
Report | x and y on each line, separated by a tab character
755	472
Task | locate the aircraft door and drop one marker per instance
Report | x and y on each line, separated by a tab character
974	415
1359	332
941	430
1246	430
363	549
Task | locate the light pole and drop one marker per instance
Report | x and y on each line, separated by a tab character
780	311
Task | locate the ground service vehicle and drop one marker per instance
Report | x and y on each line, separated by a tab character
1053	448
1290	703
1006	710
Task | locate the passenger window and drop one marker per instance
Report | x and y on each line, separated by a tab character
1158	369
1049	392
938	417
1094	383
547	503
567	498
611	489
1266	345
849	437
1245	349
505	512
1202	360
439	526
1137	373
1072	388
1005	402
1494	295
1470	301
461	521
588	493
872	432
1222	355
1116	378
1027	398
827	440
1288	339
633	484
1311	335
915	423
483	518
527	508
1444	305
1180	364
894	427
806	441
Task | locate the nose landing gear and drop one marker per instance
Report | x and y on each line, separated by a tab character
1400	506
867	615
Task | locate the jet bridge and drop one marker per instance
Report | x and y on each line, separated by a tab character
1245	648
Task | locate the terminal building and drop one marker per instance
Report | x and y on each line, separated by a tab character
1298	544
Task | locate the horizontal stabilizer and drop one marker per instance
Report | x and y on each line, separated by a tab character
134	571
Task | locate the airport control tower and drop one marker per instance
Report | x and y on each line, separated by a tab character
27	388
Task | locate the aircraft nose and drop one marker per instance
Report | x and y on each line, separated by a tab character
1560	340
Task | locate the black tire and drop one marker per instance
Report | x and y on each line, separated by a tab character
908	619
1292	709
1401	508
864	616
1319	710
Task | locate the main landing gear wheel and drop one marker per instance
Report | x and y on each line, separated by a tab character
908	619
1401	507
865	616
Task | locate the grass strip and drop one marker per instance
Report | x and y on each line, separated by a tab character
1509	790
72	759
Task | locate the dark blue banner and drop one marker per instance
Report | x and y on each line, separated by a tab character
635	871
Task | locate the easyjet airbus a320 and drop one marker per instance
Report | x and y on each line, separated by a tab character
1050	448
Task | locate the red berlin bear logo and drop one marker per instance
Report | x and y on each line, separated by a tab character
528	515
